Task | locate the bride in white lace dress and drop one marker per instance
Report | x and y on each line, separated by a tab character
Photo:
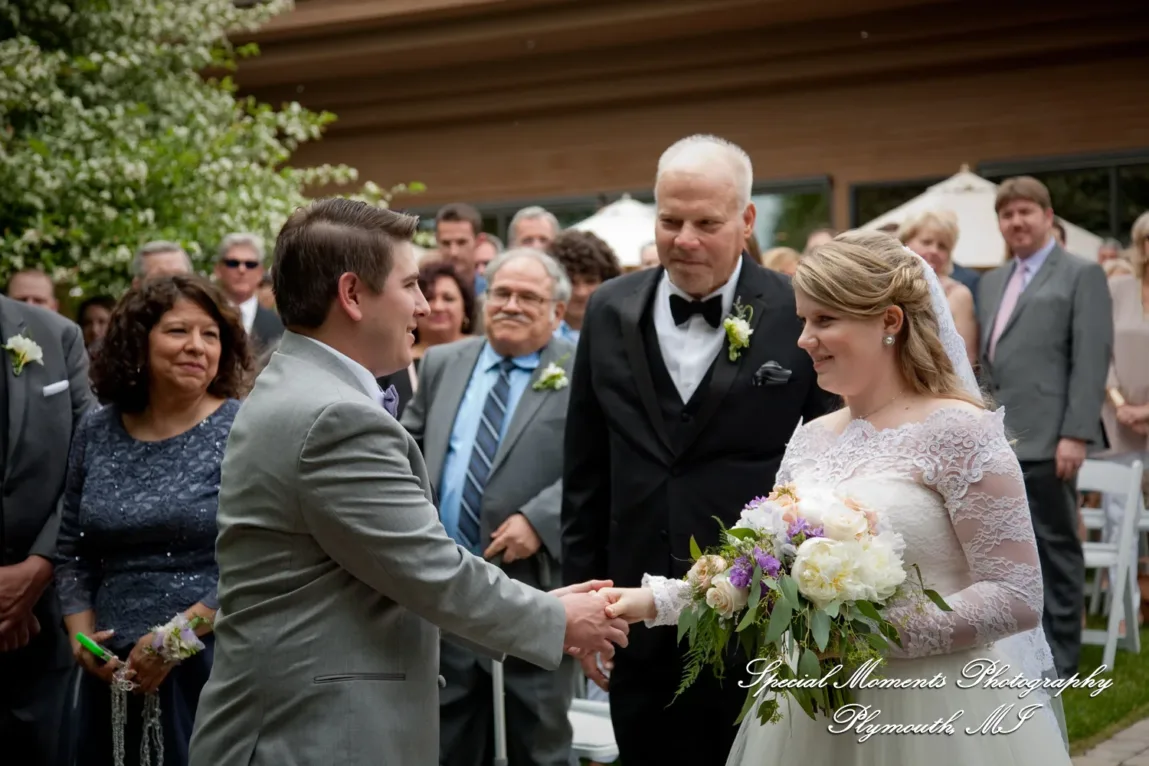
915	442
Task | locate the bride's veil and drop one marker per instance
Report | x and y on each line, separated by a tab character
1028	653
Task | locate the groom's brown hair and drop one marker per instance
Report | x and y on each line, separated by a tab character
325	240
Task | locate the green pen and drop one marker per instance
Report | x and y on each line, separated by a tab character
94	648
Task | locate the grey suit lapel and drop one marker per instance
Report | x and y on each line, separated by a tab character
456	374
13	324
998	293
525	411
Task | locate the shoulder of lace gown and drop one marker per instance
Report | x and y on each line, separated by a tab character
670	598
967	459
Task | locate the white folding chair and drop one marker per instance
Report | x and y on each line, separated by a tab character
1116	554
593	731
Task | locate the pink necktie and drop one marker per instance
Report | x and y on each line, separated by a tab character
1008	304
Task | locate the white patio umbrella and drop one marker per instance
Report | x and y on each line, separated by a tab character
625	225
970	197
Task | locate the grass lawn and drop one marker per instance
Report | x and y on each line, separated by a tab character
1091	720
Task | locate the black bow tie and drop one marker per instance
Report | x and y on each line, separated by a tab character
682	309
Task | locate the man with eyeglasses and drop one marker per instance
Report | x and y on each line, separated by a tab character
489	416
239	271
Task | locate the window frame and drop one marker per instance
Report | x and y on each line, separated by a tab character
1112	162
504	210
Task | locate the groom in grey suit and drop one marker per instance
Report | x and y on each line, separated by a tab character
1047	337
39	410
493	441
334	567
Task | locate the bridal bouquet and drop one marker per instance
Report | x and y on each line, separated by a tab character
805	574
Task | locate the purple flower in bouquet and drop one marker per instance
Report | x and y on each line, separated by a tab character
741	573
770	565
754	503
158	640
802	527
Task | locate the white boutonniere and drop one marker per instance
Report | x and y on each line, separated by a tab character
737	327
23	351
552	378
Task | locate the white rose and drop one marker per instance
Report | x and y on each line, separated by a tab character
26	348
814	502
724	598
880	569
842	523
704	571
826	570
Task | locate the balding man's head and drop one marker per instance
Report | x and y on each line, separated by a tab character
713	158
702	194
33	286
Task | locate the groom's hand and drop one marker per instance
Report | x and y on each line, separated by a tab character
582	587
589	630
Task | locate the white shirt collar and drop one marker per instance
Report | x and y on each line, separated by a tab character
361	373
247	311
726	291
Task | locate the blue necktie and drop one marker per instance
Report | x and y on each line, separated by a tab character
483	454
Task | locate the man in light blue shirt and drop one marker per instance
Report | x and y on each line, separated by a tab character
490	415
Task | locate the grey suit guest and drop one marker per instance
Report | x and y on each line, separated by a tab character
492	435
1046	322
39	411
333	566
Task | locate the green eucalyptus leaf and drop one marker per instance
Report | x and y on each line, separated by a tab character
790	589
938	600
808	665
779	621
820	628
695	551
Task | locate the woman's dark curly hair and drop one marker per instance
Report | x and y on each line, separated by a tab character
585	256
429	274
120	371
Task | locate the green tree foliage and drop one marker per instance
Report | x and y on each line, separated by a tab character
111	135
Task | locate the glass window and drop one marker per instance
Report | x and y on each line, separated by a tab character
1082	197
786	220
1132	198
868	201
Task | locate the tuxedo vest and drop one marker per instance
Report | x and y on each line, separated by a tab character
678	417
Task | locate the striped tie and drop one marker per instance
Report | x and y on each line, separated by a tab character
483	454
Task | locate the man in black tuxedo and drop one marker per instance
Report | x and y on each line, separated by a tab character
665	432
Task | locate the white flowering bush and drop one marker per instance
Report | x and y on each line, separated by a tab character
111	134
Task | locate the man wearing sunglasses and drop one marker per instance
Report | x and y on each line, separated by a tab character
239	270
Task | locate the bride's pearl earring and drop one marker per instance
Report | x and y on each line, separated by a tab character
888	340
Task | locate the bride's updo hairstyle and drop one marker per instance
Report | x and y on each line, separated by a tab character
860	274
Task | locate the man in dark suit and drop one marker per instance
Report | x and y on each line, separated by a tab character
43	394
671	424
239	270
1046	322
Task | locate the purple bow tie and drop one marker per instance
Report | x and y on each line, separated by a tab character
391	401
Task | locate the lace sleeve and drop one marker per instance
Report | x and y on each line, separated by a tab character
970	463
670	598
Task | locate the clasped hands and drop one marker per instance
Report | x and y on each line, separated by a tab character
598	618
21	586
146	669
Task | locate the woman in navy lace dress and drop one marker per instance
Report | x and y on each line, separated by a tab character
138	529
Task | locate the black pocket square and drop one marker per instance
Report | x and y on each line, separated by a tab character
771	374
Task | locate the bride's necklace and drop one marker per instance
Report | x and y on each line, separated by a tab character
876	410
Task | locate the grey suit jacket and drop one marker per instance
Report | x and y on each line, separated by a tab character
526	476
1052	359
333	567
45	404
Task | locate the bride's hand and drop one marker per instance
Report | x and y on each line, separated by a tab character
630	604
